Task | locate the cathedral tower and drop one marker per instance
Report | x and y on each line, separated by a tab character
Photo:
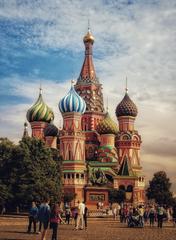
72	144
25	133
51	134
128	143
39	116
89	88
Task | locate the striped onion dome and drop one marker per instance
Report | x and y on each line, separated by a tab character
126	107
72	102
51	130
107	126
40	112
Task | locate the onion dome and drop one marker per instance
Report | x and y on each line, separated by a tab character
126	107
40	112
107	126
88	37
72	102
51	130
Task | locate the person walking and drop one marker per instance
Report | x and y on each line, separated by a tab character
160	216
80	218
33	216
152	216
141	215
44	217
85	216
67	214
174	215
55	218
122	215
114	212
74	214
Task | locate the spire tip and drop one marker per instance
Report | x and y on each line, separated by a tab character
40	88
126	88
72	82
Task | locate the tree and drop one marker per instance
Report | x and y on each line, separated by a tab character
159	189
117	196
39	172
6	152
31	172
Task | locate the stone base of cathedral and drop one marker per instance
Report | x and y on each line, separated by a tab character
96	197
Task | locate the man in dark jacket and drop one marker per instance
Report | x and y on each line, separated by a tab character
33	216
44	217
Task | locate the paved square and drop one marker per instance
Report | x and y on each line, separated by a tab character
14	228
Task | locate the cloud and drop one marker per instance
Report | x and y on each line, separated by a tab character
161	147
13	116
153	163
132	38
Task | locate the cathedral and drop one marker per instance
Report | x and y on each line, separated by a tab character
98	153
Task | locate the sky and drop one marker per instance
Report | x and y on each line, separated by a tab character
41	42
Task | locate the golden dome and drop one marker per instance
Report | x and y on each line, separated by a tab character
88	37
107	126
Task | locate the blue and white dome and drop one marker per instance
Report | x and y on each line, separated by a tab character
72	102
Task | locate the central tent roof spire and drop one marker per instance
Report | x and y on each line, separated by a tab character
88	86
88	74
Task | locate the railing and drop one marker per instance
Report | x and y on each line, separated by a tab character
99	213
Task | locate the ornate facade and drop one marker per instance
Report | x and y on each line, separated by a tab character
98	154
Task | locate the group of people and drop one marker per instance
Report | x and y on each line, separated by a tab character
78	214
145	214
50	217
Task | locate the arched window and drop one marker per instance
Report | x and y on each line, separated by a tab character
77	175
129	188
122	187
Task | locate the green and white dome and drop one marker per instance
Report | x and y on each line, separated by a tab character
40	112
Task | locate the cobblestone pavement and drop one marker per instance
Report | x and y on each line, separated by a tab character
14	228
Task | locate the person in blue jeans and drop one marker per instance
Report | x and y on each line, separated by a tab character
44	217
33	216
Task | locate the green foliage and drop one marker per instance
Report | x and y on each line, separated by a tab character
159	189
116	196
6	153
31	171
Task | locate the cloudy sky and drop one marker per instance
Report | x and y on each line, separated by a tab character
41	41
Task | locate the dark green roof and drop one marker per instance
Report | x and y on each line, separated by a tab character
125	168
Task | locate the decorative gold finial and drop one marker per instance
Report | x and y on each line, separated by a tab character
88	37
126	88
88	25
72	82
107	105
25	125
25	133
40	88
